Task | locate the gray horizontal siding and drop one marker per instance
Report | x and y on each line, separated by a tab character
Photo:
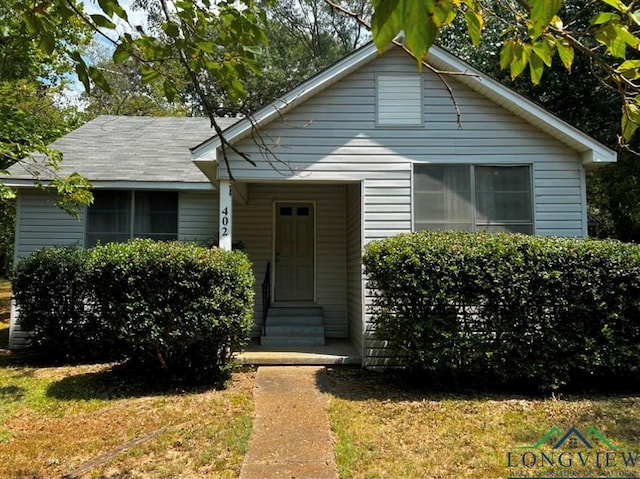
40	224
198	217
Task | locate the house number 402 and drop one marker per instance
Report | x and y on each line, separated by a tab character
225	222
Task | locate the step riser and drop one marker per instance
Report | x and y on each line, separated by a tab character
277	341
280	311
294	321
295	330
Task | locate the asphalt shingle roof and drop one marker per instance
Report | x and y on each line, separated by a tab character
128	148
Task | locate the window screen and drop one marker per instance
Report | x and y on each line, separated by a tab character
117	216
473	198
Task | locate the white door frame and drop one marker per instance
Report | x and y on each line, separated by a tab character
273	244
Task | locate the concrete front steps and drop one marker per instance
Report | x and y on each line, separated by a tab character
294	326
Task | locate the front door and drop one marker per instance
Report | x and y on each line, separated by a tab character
294	252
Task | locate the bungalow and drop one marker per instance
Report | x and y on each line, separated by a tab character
366	149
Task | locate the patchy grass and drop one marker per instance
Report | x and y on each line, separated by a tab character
384	428
83	421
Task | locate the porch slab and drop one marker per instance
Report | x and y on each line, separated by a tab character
335	351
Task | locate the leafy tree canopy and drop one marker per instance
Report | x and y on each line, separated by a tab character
220	42
32	75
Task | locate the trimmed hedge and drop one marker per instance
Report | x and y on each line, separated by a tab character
176	307
508	309
56	304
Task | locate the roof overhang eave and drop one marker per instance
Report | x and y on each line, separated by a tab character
208	166
592	152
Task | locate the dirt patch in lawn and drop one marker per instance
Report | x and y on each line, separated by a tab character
87	421
385	428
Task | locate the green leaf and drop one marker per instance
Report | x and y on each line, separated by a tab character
420	31
604	17
170	90
32	23
617	4
566	53
536	68
635	16
121	54
506	54
148	74
608	36
236	90
102	21
47	42
630	69
475	24
171	29
83	75
111	7
626	36
519	60
544	50
541	12
440	12
386	21
99	79
630	120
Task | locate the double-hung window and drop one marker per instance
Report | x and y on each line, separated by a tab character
473	198
118	215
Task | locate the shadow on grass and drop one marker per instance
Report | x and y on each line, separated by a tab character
11	393
357	384
118	382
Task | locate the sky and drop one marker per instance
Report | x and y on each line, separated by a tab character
72	93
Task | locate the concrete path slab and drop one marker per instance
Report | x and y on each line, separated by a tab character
291	434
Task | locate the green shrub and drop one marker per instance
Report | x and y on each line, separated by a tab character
55	302
508	309
180	307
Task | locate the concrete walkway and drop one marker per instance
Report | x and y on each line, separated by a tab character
291	435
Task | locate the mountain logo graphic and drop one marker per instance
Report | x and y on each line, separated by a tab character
573	439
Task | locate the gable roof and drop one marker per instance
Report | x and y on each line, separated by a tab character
592	152
130	149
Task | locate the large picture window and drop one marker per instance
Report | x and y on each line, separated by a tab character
473	198
117	216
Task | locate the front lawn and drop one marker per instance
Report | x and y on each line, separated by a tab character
95	421
384	428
